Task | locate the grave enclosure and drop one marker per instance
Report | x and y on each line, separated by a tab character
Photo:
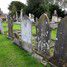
42	46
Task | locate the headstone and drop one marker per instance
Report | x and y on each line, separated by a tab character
1	27
61	42
21	15
16	17
55	17
43	35
17	40
10	27
53	23
31	17
26	35
59	19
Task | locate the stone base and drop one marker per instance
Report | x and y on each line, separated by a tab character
37	57
27	47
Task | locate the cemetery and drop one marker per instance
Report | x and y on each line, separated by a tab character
32	39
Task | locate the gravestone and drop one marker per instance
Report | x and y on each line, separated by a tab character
31	17
53	23
1	27
61	42
21	15
55	17
17	40
10	27
16	17
43	35
17	34
26	35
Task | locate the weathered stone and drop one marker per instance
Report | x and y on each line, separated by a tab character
17	40
10	27
61	42
43	35
26	35
1	27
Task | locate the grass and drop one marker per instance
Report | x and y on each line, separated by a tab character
5	26
15	27
12	56
53	34
33	30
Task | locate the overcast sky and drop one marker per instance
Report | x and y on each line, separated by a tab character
5	3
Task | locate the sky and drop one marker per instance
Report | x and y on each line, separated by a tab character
4	4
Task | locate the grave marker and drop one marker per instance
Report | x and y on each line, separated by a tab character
26	30
10	27
61	42
1	27
26	35
16	17
54	21
43	35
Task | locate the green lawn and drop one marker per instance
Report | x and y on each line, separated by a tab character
53	34
12	56
15	27
5	26
33	30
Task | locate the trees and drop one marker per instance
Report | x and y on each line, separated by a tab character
16	6
35	7
53	7
38	7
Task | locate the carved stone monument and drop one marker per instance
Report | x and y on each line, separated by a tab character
53	23
10	27
17	40
61	43
43	35
26	35
1	27
55	17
